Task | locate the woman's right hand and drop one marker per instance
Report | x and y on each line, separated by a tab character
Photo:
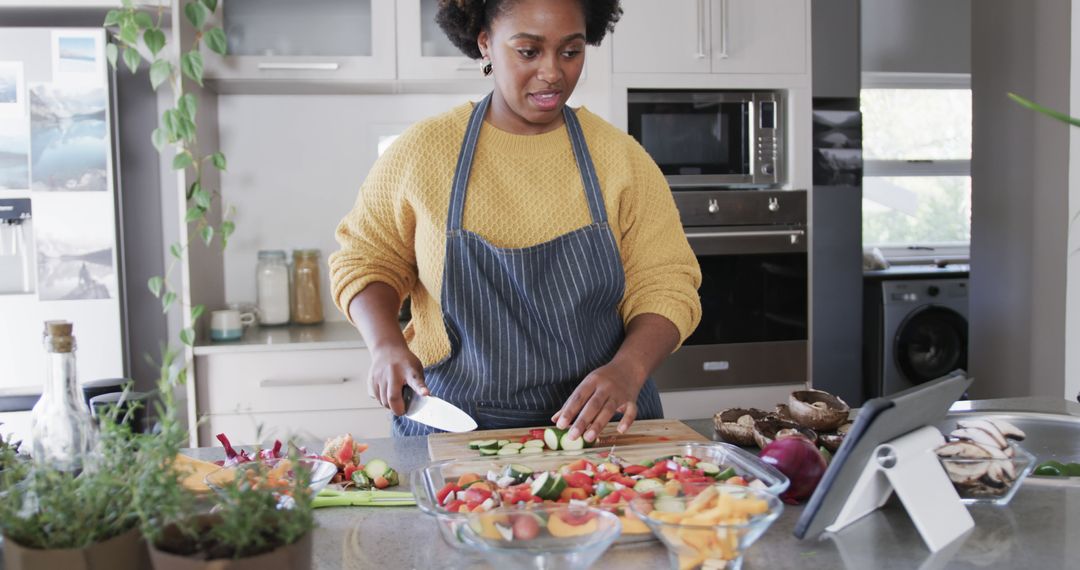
392	367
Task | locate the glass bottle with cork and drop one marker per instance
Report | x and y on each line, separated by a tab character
306	299
63	433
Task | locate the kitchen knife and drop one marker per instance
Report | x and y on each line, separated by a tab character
436	412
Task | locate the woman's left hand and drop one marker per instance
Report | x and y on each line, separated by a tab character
612	388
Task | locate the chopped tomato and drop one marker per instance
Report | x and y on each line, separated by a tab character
628	494
525	527
662	438
537	433
576	518
691	460
626	481
736	480
381	482
634	469
611	499
477	494
344	454
573	493
445	492
579	480
467	478
581	465
455	506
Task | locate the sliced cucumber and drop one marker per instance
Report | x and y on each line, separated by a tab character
576	444
513	446
519	472
503	442
475	444
507	450
646	485
552	437
488	450
604	489
710	469
376	468
485	444
534	443
531	450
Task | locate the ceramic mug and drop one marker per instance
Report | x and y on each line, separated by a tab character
229	324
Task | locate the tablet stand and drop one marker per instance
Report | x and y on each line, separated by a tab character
909	466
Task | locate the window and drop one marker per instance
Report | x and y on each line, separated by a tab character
917	165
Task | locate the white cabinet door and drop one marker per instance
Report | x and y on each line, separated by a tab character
759	36
314	40
302	427
424	51
662	37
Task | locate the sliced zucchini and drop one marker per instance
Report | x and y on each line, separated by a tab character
554	488
376	468
503	442
485	444
513	446
646	485
552	436
507	450
519	472
475	444
539	483
725	474
531	450
534	443
710	469
488	450
576	444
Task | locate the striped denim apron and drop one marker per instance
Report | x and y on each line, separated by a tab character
527	325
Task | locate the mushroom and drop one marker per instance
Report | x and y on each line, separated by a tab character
831	441
769	428
992	439
783	412
1008	430
818	410
965	473
736	425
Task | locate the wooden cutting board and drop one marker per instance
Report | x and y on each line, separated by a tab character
456	445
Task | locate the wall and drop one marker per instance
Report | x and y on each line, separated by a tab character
1072	311
295	165
1019	198
836	58
917	36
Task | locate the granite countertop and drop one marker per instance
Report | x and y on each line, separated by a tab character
1036	530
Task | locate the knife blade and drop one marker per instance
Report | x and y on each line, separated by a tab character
436	412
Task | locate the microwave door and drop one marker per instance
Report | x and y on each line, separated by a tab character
702	143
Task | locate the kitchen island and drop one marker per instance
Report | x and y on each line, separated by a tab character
1040	528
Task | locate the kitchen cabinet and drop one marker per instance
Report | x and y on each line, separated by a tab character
315	40
423	50
713	36
310	394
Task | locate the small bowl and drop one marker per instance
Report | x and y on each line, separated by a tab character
280	469
554	536
987	489
696	541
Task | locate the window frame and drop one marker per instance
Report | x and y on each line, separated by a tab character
918	253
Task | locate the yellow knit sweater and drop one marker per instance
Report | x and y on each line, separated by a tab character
523	190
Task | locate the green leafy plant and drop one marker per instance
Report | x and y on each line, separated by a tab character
1045	110
46	508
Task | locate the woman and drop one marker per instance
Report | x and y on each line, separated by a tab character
540	246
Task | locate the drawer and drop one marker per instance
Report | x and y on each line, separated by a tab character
284	381
307	427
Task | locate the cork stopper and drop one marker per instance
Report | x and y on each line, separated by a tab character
58	336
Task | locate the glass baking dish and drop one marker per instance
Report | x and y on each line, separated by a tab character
428	481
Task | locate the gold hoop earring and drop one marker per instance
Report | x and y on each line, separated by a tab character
486	68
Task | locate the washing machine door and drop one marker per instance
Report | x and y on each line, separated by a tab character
930	343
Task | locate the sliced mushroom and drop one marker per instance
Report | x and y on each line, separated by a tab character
736	425
992	438
844	429
967	473
818	410
966	462
831	441
1008	430
1001	473
770	428
783	412
963	450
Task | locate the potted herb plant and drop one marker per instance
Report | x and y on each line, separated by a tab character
52	518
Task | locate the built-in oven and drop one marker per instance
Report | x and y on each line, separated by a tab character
711	137
751	245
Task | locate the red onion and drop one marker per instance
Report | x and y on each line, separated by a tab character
797	458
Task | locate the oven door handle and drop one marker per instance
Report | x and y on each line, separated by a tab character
795	234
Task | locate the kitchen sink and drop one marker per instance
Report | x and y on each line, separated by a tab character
1049	436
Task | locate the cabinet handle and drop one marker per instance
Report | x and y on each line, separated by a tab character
701	30
288	383
724	29
327	66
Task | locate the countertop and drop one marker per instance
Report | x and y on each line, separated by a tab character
328	335
1038	529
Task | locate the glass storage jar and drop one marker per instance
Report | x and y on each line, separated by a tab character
306	300
272	287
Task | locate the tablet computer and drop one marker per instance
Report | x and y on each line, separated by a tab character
880	420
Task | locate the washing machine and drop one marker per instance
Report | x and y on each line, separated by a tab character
916	331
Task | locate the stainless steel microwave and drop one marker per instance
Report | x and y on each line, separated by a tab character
711	137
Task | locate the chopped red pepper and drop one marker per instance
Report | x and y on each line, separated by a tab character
579	480
454	506
477	494
537	433
445	491
634	469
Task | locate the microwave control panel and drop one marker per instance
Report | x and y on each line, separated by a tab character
767	149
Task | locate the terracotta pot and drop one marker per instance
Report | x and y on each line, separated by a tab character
124	552
295	556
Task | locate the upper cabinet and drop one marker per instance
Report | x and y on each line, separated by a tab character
324	40
713	36
424	51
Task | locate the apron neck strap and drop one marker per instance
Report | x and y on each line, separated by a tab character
468	150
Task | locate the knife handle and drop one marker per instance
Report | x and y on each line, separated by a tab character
407	395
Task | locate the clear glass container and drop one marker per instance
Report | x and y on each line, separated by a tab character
272	287
306	299
63	434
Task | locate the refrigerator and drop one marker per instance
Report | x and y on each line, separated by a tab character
60	237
